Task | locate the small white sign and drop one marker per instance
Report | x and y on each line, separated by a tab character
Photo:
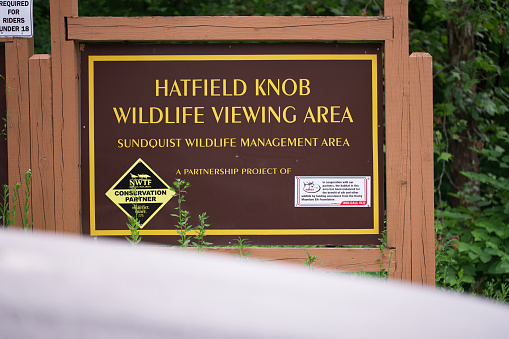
16	19
332	191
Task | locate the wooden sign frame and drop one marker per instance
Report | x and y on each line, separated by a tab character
51	148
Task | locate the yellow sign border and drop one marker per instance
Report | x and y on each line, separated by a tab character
247	57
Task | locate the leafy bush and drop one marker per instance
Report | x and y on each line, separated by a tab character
474	253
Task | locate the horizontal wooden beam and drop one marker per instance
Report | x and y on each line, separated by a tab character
338	259
250	28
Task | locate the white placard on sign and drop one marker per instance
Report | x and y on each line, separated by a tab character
16	19
332	191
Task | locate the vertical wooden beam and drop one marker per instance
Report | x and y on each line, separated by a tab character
421	163
3	115
41	122
65	119
17	53
397	132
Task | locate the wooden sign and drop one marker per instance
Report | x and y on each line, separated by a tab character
281	143
72	172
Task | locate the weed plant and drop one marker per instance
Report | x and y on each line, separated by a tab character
200	232
241	244
183	227
134	224
4	208
134	227
382	273
311	260
497	291
8	216
26	207
4	127
15	199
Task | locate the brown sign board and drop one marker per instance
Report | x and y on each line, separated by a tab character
282	143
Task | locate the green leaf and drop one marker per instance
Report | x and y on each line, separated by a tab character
456	75
468	279
469	84
480	234
490	251
462	247
476	249
445	156
485	257
499	268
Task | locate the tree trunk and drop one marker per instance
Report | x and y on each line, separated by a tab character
461	40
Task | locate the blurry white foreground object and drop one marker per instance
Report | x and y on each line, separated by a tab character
68	288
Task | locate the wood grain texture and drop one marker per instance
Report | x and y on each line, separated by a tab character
17	54
66	129
41	122
343	259
397	133
422	195
229	28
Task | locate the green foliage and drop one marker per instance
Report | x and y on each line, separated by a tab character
27	224
382	272
133	223
5	220
498	292
4	127
183	227
8	216
11	220
477	247
289	8
200	232
134	227
469	43
311	260
241	244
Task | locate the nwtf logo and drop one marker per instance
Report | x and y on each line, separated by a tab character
311	187
140	180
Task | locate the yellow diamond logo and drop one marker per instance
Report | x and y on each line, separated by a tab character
141	192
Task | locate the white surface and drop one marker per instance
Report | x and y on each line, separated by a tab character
16	18
332	191
55	287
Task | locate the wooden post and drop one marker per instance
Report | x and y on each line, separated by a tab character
397	132
41	110
409	153
17	53
66	128
421	163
